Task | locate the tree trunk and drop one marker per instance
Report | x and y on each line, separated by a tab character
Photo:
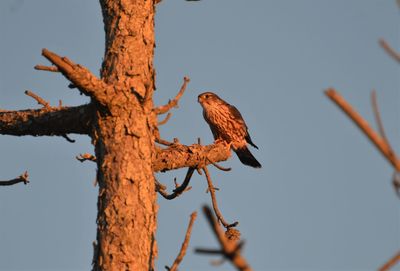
124	141
122	122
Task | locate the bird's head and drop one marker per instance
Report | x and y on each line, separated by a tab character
208	98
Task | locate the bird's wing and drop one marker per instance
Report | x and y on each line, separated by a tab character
235	112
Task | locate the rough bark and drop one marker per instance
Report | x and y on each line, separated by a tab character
195	156
124	142
47	122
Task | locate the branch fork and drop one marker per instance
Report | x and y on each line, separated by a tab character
185	244
174	102
380	141
229	249
78	75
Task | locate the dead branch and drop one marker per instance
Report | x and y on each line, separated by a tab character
46	68
174	102
374	137
185	244
164	121
164	142
39	99
218	213
81	77
179	188
179	156
209	251
86	157
389	50
390	263
53	121
219	166
378	119
70	140
230	250
396	182
23	178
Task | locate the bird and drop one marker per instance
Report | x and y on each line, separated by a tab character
227	124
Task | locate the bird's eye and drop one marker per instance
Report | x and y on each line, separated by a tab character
206	96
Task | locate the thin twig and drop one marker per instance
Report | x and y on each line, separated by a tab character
39	99
174	102
47	68
389	50
209	251
214	201
23	178
86	157
164	142
164	121
70	140
390	263
230	250
179	189
373	136
396	182
185	243
381	129
378	119
219	166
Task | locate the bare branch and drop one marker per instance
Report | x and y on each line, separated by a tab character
178	190
378	119
50	122
179	156
46	68
21	179
218	213
185	243
174	102
209	251
81	77
70	140
396	182
164	121
38	99
231	250
389	50
390	263
374	137
164	142
86	157
219	166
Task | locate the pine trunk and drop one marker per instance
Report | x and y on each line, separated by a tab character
124	141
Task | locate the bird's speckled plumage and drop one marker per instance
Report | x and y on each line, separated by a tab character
227	124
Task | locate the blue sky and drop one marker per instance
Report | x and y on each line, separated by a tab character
323	199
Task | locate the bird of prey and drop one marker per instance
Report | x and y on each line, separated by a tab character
227	125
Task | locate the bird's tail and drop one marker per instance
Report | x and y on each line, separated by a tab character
246	157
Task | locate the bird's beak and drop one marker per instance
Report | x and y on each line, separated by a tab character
199	99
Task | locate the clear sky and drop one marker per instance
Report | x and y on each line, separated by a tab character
323	199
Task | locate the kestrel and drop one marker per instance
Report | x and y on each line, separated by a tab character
227	124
